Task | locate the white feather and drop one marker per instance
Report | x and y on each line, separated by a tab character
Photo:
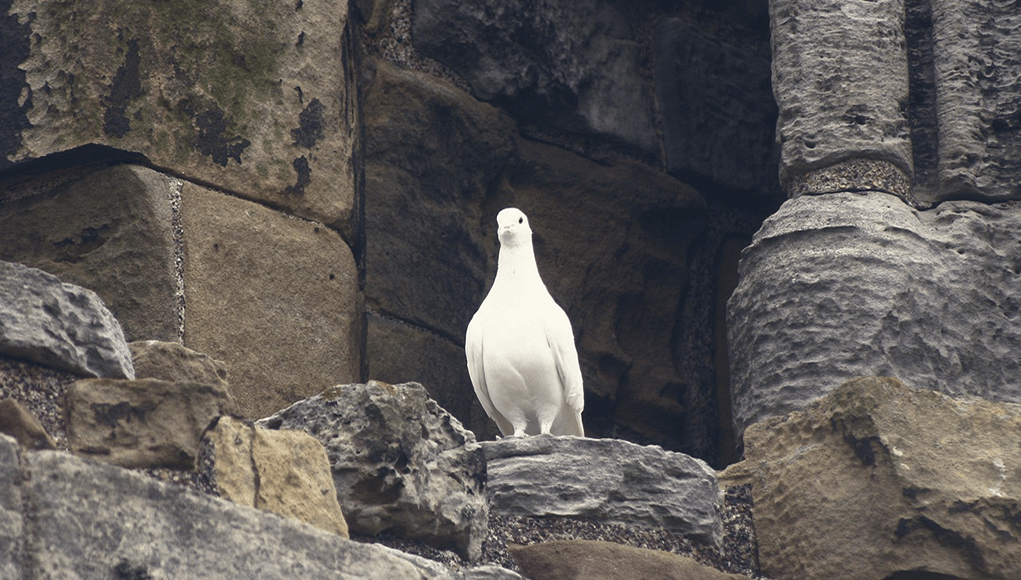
520	347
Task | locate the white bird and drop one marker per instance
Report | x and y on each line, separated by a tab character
520	346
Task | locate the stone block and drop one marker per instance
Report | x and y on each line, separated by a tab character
432	153
283	472
845	285
570	64
878	481
400	463
12	523
593	560
142	423
977	58
716	101
170	361
99	521
60	325
840	78
109	230
19	423
604	480
254	97
274	297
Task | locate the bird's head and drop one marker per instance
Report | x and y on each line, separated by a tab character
512	227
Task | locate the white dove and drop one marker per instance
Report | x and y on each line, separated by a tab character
520	346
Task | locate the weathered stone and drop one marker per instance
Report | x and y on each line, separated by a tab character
977	56
170	361
491	573
400	462
132	526
604	480
109	231
432	153
283	472
17	422
879	481
611	243
61	325
142	423
260	288
847	285
12	523
397	352
592	560
718	111
572	65
840	77
253	97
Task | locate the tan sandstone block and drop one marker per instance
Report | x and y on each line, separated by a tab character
274	297
282	472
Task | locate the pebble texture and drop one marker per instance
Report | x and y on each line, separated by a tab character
400	462
570	64
284	472
840	77
108	231
605	480
977	55
134	527
879	481
142	423
60	325
847	285
273	297
253	98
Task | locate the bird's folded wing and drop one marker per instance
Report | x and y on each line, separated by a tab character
473	346
560	338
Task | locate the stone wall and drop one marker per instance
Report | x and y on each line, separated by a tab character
307	191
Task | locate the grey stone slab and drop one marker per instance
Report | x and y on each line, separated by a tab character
98	521
604	480
60	325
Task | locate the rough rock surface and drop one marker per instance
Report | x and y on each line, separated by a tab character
253	98
110	231
17	422
61	325
976	48
566	560
144	422
283	472
569	64
400	462
604	480
878	481
174	533
257	281
432	153
170	361
840	77
847	285
717	105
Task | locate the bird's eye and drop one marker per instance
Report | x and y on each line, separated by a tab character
521	220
